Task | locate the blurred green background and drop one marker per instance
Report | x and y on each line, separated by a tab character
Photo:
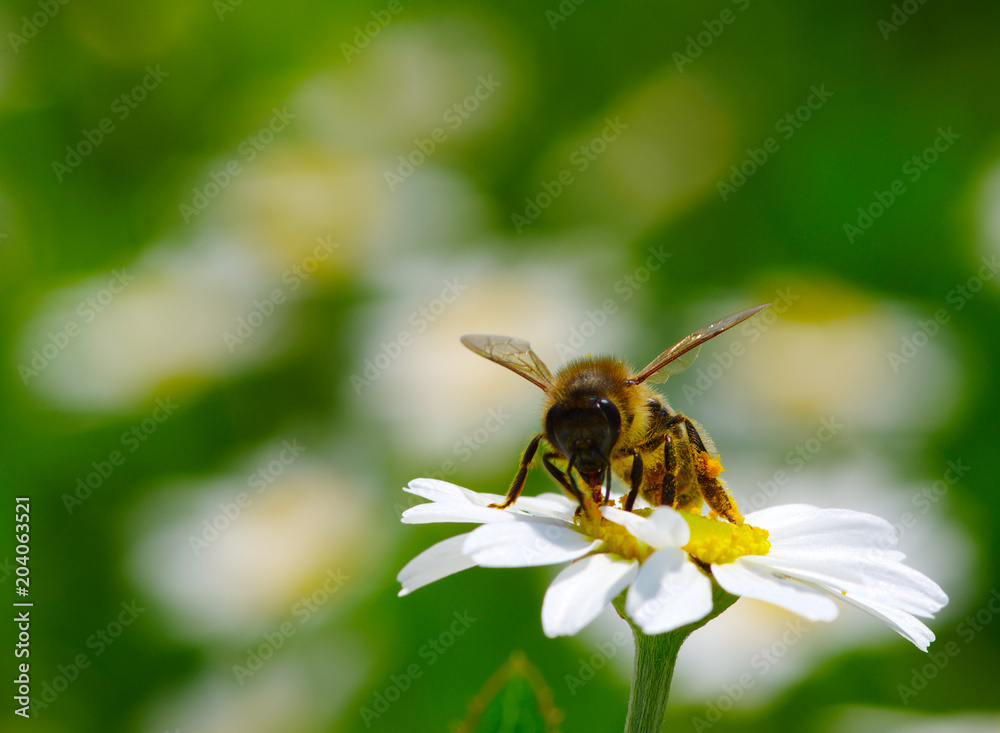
239	241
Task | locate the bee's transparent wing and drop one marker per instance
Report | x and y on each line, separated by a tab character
513	353
677	366
690	343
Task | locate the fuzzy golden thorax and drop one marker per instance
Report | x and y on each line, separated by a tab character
604	376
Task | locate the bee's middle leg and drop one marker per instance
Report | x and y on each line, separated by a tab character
668	491
635	480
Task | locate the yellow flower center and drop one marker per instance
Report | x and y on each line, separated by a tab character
617	540
713	541
716	541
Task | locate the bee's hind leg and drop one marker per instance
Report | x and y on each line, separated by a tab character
711	488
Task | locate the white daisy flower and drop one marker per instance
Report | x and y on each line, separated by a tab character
795	556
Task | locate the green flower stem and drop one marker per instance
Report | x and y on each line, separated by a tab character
655	657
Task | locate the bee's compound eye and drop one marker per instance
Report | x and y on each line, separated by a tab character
559	423
611	414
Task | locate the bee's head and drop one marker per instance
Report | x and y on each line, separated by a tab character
585	431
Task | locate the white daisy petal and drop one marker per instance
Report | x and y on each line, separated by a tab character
435	490
893	601
454	511
556	506
436	562
669	592
839	550
525	543
663	528
899	621
865	577
581	591
807	527
743	578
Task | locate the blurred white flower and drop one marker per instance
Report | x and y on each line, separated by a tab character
647	155
228	558
821	351
874	720
299	688
311	208
407	83
162	319
988	224
294	194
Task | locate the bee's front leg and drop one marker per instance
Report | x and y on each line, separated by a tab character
565	479
522	474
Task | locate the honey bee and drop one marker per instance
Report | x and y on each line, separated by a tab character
600	418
